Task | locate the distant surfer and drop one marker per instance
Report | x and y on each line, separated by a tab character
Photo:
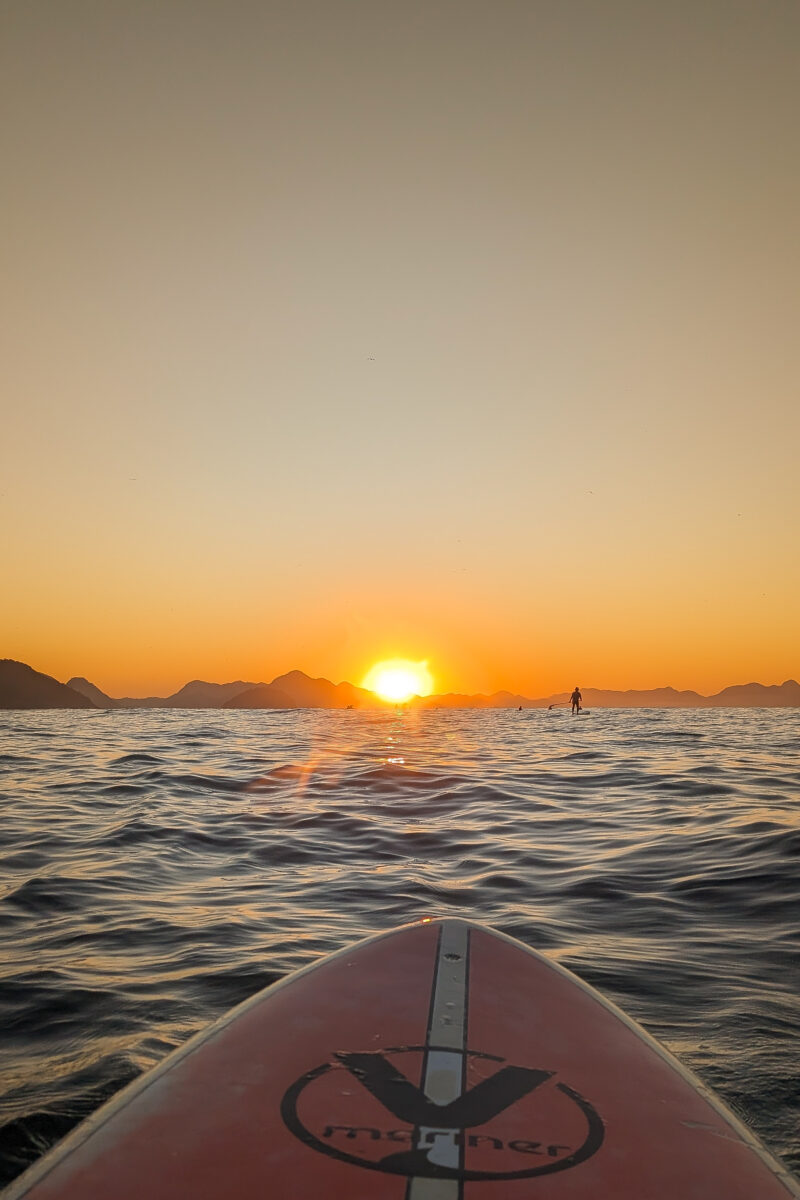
575	699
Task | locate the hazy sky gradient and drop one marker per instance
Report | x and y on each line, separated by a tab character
340	331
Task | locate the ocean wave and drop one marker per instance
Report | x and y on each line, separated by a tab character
160	868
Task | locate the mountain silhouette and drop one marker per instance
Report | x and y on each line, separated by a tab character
459	700
665	697
293	690
199	694
263	696
23	687
321	693
91	692
758	695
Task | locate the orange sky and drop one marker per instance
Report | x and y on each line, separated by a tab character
463	333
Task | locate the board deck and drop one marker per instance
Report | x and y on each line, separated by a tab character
439	1061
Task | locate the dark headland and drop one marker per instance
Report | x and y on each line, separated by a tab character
21	687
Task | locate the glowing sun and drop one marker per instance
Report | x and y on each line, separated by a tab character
398	679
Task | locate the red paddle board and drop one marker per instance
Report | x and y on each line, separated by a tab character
440	1061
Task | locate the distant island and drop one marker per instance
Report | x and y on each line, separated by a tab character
22	687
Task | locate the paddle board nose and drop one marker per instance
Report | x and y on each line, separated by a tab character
439	1061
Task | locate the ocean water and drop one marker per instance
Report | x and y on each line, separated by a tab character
157	867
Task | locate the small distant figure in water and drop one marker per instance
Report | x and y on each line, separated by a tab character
575	699
520	708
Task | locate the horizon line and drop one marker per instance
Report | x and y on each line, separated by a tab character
431	696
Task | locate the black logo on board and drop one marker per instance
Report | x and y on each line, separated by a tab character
509	1122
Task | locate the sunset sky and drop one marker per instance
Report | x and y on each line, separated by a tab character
341	331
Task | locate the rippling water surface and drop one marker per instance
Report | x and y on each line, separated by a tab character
157	867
